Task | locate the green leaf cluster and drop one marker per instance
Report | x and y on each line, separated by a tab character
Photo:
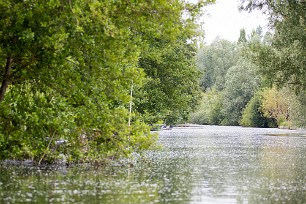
248	98
258	62
254	116
214	60
229	81
282	61
67	69
241	84
171	90
280	58
209	110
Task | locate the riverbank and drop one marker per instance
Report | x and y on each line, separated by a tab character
207	164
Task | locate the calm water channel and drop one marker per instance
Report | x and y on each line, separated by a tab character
204	164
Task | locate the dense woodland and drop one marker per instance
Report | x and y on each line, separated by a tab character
71	70
260	80
88	79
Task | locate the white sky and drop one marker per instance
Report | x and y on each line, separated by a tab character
224	19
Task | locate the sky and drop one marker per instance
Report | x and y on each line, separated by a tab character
224	19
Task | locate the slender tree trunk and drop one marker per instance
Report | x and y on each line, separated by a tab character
6	80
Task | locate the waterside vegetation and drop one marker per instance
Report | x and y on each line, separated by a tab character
69	71
258	81
88	80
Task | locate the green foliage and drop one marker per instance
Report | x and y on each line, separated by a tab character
298	112
209	110
242	37
66	69
171	90
253	116
259	61
214	61
33	121
281	58
284	106
241	84
30	120
283	61
271	107
232	78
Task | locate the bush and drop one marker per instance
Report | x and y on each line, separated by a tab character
33	123
209	111
252	115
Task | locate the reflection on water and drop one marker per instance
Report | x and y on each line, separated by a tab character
206	164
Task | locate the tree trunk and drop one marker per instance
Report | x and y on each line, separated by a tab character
6	80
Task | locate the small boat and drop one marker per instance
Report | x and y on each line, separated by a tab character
165	127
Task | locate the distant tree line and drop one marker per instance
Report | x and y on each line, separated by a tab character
260	80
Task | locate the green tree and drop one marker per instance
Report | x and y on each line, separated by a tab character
283	61
298	112
283	106
214	61
253	115
66	68
242	37
241	83
78	53
172	88
209	110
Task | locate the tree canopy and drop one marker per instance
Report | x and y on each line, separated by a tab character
214	60
283	61
241	84
67	67
171	90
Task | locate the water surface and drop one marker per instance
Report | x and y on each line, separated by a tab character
204	164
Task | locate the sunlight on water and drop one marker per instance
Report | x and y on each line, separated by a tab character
207	164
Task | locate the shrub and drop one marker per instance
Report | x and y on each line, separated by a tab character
253	116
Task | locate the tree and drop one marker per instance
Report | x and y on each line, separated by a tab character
242	37
298	111
172	88
253	115
282	105
283	62
209	110
241	83
66	68
74	60
214	60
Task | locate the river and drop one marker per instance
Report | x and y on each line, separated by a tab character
203	164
